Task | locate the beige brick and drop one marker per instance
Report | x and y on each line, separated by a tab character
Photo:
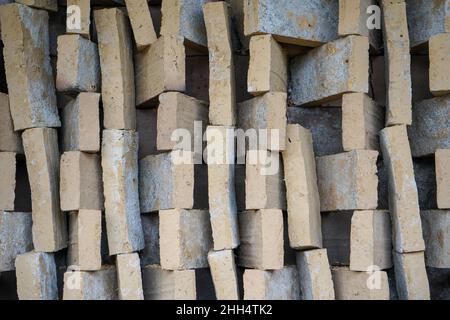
184	239
162	284
403	202
85	17
96	285
348	181
184	18
266	112
9	140
222	96
81	123
442	164
160	68
302	193
51	5
32	89
439	48
78	66
8	174
261	238
42	156
81	181
147	130
264	181
223	272
85	231
120	188
370	240
36	276
280	284
315	275
141	23
362	120
15	237
129	277
116	61
268	69
436	233
411	276
351	285
398	63
179	111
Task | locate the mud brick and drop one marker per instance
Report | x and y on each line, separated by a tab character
129	277
436	232
411	276
10	141
439	47
224	274
442	160
8	174
141	23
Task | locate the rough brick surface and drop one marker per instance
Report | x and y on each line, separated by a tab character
436	233
141	23
223	272
129	279
96	285
439	48
411	276
85	18
10	141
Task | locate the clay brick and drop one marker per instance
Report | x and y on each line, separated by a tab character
9	140
268	69
78	66
129	277
81	181
261	238
162	284
81	123
427	18
442	161
36	276
141	23
15	237
147	130
397	63
280	284
160	68
167	184
436	233
370	240
51	5
311	68
353	18
96	285
351	285
8	174
223	272
439	46
411	276
184	239
32	88
315	275
184	18
431	128
178	111
403	198
151	253
348	181
264	181
362	120
120	185
116	62
85	17
267	112
85	232
302	194
222	95
303	23
221	187
42	156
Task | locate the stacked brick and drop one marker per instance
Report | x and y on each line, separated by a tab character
198	149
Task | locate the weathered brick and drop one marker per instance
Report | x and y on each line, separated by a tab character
184	239
78	66
51	5
8	174
120	185
42	156
116	62
327	77
302	194
439	46
129	277
403	198
223	272
315	275
32	87
10	141
84	17
442	165
303	23
141	23
436	233
411	276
